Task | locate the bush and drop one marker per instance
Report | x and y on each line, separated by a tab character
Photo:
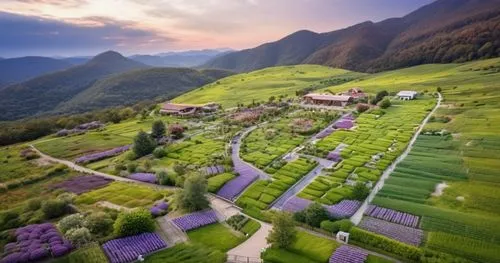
360	192
314	214
34	204
159	152
131	167
133	223
343	225
361	107
99	223
66	198
193	196
70	222
385	103
79	236
143	144
54	208
329	226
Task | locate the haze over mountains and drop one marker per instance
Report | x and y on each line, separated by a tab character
15	70
442	32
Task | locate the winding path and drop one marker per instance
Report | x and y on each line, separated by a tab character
356	218
241	166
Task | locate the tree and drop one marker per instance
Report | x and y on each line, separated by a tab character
176	130
314	214
283	234
439	89
380	95
134	223
385	103
53	208
360	192
159	152
158	130
193	196
143	144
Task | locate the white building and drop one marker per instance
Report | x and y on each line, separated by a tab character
407	94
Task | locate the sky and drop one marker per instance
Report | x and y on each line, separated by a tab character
88	27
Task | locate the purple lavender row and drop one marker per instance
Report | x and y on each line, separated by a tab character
216	169
408	235
344	124
124	250
344	209
234	187
333	156
35	243
196	220
82	128
159	208
392	216
144	177
84	183
102	155
347	254
324	133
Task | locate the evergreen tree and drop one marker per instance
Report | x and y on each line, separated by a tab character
158	130
143	144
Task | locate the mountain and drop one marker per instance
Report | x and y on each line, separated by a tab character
442	32
134	86
76	60
180	59
44	93
14	70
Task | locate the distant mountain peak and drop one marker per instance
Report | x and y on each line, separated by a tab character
108	56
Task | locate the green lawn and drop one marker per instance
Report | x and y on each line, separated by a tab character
124	194
216	236
261	84
90	254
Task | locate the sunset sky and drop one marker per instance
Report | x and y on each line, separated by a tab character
87	27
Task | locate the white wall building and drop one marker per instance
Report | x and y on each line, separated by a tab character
407	94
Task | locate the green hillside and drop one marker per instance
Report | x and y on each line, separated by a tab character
145	84
262	84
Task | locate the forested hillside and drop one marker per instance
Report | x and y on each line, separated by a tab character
442	32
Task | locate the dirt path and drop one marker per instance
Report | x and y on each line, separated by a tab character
252	247
240	165
356	218
172	233
113	206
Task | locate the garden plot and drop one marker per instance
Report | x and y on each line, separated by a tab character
263	145
204	149
262	193
84	183
379	137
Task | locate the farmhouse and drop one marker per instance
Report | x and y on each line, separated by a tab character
407	94
187	109
355	92
328	99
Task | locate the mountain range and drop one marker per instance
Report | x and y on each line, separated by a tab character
442	32
15	70
189	58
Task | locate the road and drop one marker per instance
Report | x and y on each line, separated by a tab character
356	218
239	164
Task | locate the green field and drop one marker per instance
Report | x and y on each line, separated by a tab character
187	253
225	239
261	84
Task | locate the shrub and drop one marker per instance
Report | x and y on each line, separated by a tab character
99	223
53	208
66	198
360	192
34	204
133	223
314	214
70	222
329	226
131	167
159	152
143	144
176	131
79	236
385	103
343	225
193	196
361	107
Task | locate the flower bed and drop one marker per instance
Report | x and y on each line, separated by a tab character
196	220
159	208
392	216
124	250
408	235
144	177
83	184
344	209
347	254
296	204
34	243
234	187
212	170
102	155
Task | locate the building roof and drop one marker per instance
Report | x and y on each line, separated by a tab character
178	107
328	97
407	93
356	90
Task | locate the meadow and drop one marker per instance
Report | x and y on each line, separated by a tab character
261	84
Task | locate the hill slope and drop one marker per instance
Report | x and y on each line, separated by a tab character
137	85
442	32
180	59
44	93
262	84
15	70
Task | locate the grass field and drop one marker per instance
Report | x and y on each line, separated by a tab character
308	248
187	253
216	236
261	84
91	253
124	194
